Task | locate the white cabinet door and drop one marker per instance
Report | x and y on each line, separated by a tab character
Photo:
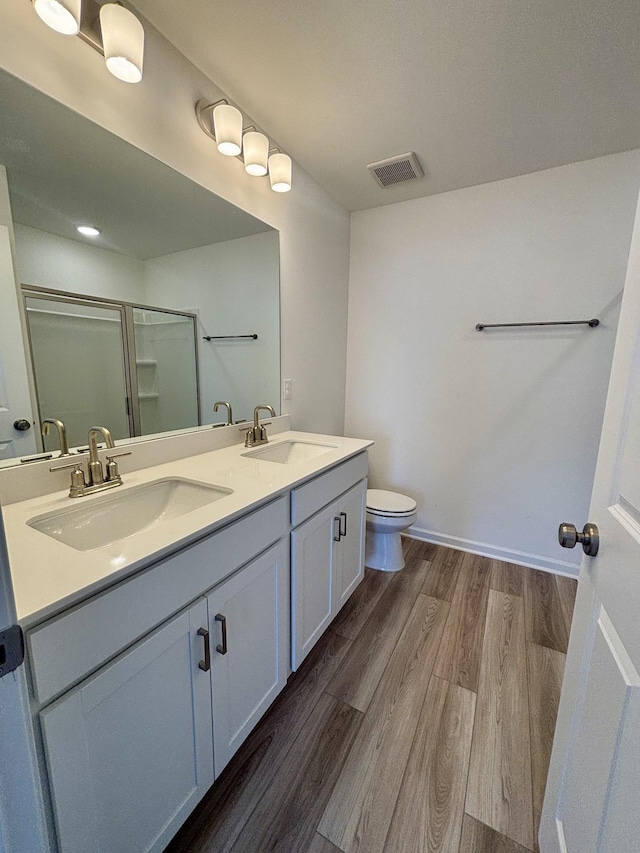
249	636
349	557
312	577
129	751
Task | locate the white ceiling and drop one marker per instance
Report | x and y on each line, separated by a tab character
479	89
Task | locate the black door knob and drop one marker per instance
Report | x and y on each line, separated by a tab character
22	424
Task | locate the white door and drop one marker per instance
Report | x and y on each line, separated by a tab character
22	816
593	789
15	403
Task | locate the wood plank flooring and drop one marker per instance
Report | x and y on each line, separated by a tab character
422	721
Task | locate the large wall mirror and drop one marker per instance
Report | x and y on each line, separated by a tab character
111	329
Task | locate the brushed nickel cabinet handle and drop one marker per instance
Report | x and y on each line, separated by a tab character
223	620
206	663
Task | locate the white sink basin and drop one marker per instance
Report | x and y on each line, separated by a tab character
126	512
288	452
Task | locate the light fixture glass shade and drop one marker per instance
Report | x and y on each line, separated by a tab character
227	127
123	42
280	172
256	152
63	16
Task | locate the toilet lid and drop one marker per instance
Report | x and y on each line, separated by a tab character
381	502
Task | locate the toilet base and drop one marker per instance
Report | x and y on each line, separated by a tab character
383	551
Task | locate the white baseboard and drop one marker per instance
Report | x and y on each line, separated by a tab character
521	558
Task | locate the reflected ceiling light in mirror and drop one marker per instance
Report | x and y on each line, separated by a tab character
223	123
63	16
88	230
227	127
256	153
280	172
123	42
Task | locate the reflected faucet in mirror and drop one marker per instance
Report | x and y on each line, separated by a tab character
62	433
217	405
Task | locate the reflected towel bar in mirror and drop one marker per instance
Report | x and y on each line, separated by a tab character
228	337
593	323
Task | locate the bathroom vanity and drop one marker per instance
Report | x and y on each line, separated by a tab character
152	657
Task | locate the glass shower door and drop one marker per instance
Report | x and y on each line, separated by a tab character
166	370
79	364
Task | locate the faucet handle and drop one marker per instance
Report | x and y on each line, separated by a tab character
250	437
78	482
77	464
112	467
112	456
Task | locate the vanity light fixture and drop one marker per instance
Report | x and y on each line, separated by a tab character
123	42
88	230
110	29
256	153
227	126
63	16
280	172
222	122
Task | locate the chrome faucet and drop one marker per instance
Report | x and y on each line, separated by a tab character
217	405
257	434
62	433
97	480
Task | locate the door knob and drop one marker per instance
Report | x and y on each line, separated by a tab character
22	424
568	537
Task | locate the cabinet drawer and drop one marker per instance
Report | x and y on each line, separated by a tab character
312	496
65	649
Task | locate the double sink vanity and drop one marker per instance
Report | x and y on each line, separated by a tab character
161	620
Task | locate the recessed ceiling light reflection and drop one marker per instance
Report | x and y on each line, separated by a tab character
88	230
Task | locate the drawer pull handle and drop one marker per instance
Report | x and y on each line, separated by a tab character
206	663
223	620
343	532
339	536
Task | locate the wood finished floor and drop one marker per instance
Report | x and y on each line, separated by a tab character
422	721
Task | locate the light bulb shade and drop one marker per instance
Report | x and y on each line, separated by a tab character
63	16
280	172
227	128
123	42
256	153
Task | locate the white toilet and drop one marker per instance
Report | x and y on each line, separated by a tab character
387	514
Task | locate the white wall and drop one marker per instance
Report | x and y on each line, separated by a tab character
46	260
494	433
234	288
158	116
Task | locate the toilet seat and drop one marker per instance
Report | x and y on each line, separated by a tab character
383	503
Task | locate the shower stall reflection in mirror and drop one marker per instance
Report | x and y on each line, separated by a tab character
132	368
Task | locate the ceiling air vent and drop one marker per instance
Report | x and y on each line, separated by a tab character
396	170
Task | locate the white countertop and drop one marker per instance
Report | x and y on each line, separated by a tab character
49	576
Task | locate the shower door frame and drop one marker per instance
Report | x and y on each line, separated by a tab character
125	309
